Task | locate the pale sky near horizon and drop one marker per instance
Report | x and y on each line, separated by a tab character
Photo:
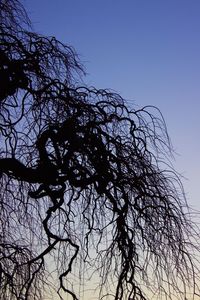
146	50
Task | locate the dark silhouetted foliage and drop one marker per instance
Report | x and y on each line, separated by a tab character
86	189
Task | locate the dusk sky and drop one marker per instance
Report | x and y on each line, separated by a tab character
146	50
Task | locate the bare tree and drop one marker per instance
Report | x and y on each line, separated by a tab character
86	184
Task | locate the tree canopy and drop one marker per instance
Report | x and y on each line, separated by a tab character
87	189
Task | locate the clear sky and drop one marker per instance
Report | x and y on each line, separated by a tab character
148	51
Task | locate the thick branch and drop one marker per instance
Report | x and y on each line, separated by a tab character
16	169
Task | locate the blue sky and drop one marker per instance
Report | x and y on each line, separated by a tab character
146	50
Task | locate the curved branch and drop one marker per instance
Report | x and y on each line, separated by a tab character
16	169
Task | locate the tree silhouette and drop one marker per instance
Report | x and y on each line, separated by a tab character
86	185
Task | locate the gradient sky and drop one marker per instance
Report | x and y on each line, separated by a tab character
146	50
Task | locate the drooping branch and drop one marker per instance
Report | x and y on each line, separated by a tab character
87	183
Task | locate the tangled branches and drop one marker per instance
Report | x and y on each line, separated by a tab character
85	187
